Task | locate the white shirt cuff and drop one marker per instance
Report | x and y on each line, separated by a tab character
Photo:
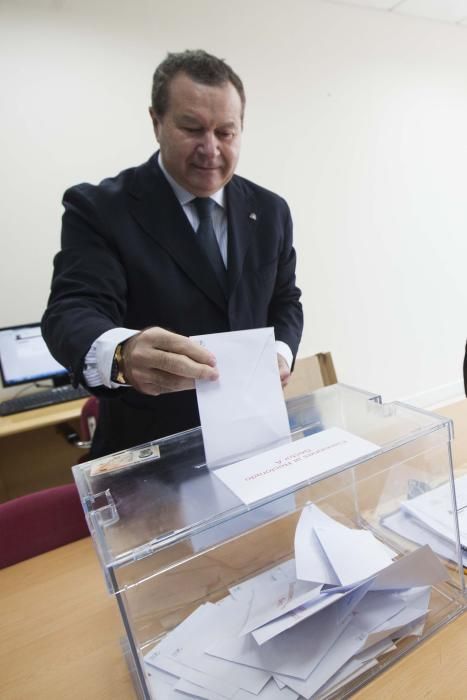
98	361
284	350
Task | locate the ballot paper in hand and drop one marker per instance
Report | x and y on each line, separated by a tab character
245	409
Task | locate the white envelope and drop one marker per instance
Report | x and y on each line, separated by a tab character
297	651
277	599
322	547
412	529
370	612
281	572
419	568
161	684
345	646
244	411
342	601
311	559
354	555
180	652
416	601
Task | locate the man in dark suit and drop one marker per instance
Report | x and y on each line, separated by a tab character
178	246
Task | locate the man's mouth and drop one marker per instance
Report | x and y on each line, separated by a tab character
207	168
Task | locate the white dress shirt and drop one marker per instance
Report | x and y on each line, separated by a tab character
98	361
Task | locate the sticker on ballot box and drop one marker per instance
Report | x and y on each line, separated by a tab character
282	467
122	460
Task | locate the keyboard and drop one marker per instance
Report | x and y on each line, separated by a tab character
49	397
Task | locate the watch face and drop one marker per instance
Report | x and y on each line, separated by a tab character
114	371
116	374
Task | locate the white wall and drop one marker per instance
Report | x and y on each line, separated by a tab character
357	117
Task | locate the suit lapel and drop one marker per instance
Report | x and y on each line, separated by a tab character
242	217
158	212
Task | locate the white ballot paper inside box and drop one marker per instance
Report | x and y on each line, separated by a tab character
317	533
434	509
310	637
245	409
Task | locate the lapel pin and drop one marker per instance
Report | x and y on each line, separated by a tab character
253	216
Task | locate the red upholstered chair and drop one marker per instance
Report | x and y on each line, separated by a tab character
38	522
87	425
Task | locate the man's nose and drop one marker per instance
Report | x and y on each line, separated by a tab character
209	144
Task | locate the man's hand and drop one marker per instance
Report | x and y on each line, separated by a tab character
157	361
284	370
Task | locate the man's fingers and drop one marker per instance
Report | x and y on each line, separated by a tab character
157	361
284	371
157	382
169	382
179	345
160	383
181	365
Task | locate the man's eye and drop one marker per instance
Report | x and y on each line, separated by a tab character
193	129
225	134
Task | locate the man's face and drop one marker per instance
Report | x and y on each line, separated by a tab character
200	134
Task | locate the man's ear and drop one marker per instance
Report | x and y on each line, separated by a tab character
155	122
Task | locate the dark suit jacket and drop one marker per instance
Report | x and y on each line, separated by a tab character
129	258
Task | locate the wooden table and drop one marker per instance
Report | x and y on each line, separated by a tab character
437	669
60	631
33	455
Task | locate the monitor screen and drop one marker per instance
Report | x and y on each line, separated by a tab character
24	357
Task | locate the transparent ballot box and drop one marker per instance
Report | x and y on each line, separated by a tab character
305	589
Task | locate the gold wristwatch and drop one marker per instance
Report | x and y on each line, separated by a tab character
117	374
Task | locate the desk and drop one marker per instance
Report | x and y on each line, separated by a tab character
33	455
60	630
40	417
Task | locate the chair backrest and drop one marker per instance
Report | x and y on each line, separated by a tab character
88	418
311	373
39	522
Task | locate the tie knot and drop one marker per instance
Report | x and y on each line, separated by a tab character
204	206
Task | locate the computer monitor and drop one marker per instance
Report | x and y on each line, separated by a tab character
24	357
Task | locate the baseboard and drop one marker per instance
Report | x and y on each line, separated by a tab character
437	397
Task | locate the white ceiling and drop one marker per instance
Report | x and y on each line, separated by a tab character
453	11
